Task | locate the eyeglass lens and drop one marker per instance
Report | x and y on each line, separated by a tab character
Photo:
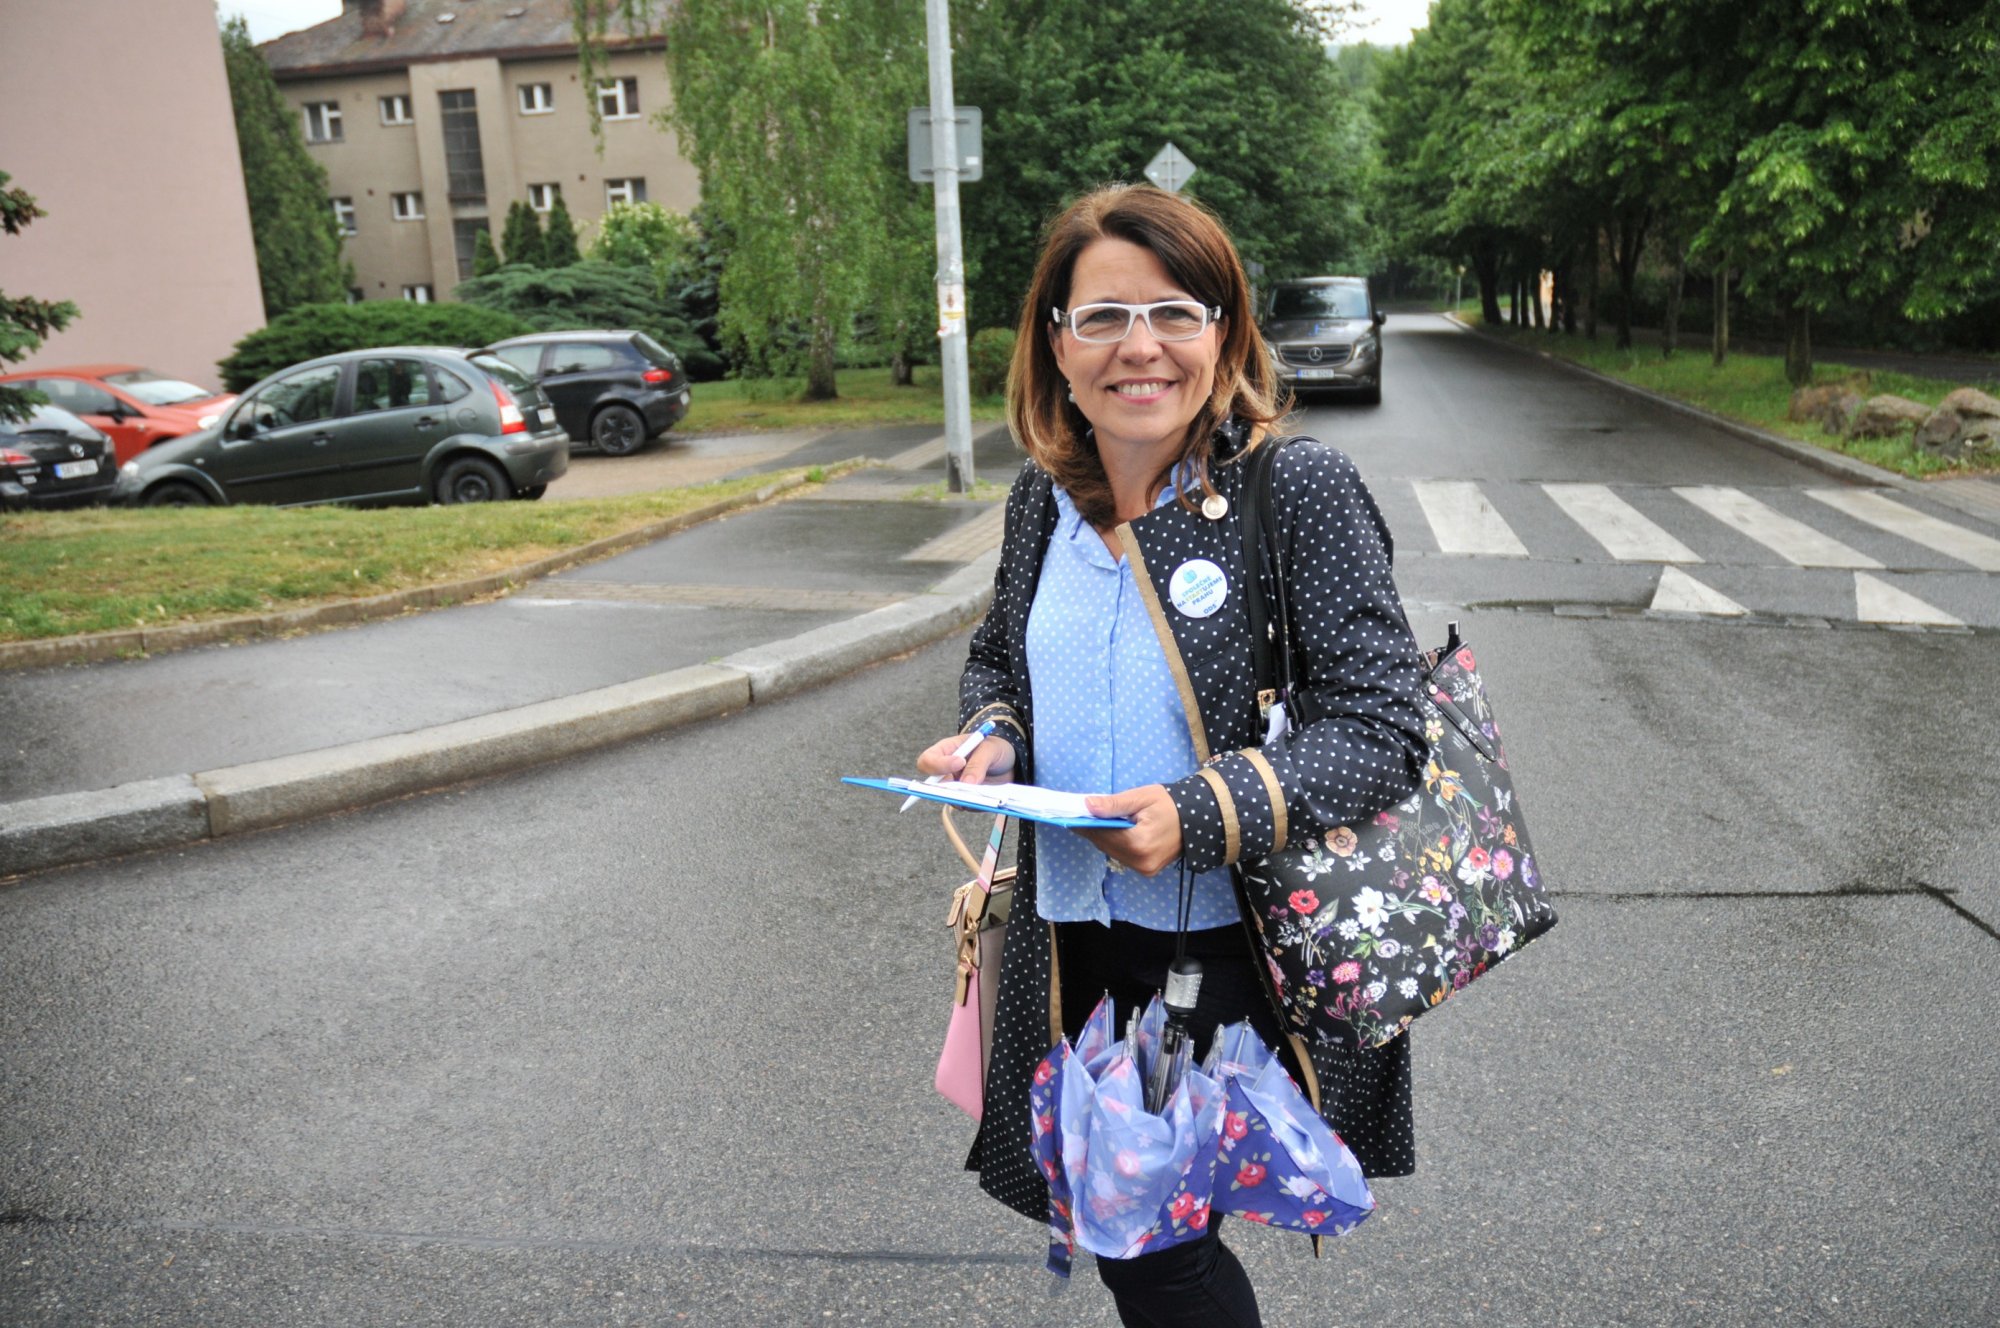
1170	320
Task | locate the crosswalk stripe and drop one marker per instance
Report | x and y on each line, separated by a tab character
1680	593
1463	521
1794	541
1877	601
1886	513
1618	526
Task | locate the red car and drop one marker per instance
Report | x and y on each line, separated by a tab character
136	407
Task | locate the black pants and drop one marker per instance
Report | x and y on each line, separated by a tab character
1199	1283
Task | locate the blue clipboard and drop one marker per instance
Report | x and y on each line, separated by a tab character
933	795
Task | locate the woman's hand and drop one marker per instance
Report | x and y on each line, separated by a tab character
1154	840
991	762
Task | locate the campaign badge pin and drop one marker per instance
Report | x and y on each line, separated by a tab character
1198	588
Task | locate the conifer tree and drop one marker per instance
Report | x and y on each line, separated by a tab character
521	242
559	240
485	258
24	320
291	217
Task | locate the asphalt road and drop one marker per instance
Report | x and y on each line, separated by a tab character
646	1037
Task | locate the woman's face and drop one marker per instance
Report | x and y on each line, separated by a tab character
1139	393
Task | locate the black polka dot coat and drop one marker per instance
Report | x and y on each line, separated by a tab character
1360	749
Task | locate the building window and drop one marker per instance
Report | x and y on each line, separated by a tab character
343	212
396	109
464	171
356	295
631	190
618	99
465	241
322	122
536	98
406	207
542	197
419	294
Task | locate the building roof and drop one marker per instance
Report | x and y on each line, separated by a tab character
372	35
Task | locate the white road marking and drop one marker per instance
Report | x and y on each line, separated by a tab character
1794	541
1876	601
1886	513
1618	526
1680	593
1464	522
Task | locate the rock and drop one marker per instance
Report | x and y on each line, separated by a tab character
1886	416
1980	437
1809	403
1971	403
1938	434
1839	411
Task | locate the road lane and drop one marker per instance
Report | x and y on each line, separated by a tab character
649	1033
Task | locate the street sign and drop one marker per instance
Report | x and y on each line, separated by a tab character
966	121
1169	170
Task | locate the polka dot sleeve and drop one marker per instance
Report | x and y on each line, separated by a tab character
1360	745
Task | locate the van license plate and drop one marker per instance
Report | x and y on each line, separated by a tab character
69	470
1317	374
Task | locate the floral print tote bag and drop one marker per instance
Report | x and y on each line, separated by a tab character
1367	926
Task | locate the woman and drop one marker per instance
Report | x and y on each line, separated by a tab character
1115	660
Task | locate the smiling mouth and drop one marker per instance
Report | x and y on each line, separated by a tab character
1150	387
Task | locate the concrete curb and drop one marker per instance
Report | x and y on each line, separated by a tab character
1832	463
70	828
95	646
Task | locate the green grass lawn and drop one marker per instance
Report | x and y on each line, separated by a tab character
743	405
95	570
1753	390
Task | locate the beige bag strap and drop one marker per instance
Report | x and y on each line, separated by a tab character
958	840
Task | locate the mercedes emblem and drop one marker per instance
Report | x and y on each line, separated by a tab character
1314	354
76	449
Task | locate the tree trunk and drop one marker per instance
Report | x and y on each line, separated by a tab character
819	366
1798	343
1569	292
1535	295
1486	267
1590	288
901	370
1721	336
1629	238
1671	332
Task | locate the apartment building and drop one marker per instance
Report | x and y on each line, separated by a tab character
118	122
432	117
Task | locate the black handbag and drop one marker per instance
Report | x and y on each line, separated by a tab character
1367	926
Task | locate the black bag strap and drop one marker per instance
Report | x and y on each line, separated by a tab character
1264	583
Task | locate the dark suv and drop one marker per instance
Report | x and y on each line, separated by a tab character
1326	333
613	389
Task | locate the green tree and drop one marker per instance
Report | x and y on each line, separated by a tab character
1080	92
788	108
24	320
521	242
559	239
589	294
485	258
291	217
646	235
312	330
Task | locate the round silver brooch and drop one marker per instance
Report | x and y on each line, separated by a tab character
1215	507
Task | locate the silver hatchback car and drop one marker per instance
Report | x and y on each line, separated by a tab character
1325	334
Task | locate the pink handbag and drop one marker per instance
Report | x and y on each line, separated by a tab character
979	921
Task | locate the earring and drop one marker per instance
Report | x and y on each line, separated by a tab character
1070	392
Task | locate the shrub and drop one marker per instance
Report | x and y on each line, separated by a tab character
312	330
987	358
591	294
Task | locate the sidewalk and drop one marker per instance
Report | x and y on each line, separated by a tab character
113	757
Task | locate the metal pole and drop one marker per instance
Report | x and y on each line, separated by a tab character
952	333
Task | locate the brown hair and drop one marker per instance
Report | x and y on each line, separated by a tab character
1199	256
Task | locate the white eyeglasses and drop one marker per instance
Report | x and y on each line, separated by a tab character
1167	320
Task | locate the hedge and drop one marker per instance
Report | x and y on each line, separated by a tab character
313	330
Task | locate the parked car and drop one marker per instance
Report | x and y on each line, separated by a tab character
1326	334
53	459
404	424
614	390
136	407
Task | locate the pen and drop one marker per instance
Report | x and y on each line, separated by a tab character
972	740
